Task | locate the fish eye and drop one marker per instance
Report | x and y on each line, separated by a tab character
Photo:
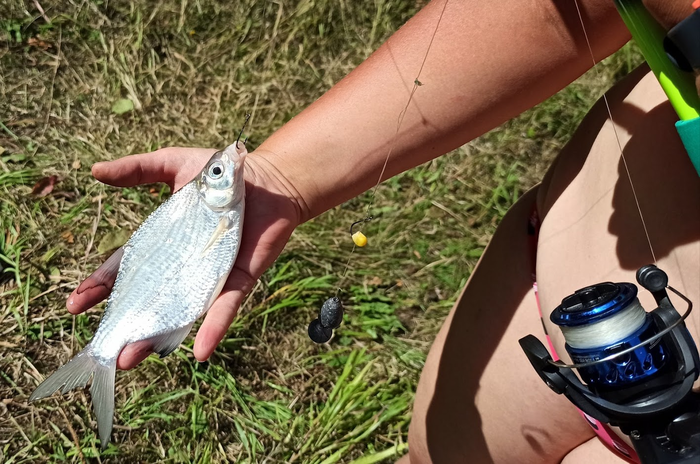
216	170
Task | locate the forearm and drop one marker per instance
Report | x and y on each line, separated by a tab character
488	62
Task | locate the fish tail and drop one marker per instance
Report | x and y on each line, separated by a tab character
102	391
75	374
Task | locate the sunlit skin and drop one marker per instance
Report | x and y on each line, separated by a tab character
282	174
476	77
176	166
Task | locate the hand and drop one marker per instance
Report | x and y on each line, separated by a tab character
669	13
272	212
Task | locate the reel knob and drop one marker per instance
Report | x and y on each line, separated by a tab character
652	278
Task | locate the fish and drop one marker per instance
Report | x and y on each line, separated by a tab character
170	272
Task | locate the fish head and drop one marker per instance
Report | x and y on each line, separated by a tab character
221	183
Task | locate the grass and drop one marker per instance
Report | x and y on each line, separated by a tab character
190	70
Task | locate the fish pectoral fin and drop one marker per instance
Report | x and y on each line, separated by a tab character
166	343
223	226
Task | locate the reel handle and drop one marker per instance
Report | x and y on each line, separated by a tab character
655	281
662	414
652	278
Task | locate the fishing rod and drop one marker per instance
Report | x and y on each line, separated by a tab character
672	58
635	368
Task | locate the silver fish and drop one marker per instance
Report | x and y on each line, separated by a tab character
171	271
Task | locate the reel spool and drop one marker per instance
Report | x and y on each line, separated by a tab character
601	320
636	368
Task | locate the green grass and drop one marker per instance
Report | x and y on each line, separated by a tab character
191	70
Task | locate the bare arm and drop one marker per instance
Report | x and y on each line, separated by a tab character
489	62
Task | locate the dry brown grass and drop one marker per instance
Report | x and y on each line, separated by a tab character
192	69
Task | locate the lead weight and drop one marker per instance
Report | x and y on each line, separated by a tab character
318	333
331	313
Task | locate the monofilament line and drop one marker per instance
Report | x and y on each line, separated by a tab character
607	331
402	115
416	83
617	138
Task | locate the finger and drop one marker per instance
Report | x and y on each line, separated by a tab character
216	323
174	166
96	287
135	169
221	314
133	354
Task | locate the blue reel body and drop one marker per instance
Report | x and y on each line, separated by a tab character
648	394
595	304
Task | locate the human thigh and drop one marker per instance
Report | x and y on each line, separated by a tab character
592	229
478	400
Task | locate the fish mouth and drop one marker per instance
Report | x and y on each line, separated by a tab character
236	153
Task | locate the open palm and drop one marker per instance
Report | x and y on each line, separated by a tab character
271	215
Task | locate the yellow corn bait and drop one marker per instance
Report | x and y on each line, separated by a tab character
359	238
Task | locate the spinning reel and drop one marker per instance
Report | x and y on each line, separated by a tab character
636	368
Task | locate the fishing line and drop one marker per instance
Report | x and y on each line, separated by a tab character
330	316
612	329
416	83
617	138
608	331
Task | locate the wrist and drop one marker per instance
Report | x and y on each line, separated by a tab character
261	165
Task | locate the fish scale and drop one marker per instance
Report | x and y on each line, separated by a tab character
172	269
164	263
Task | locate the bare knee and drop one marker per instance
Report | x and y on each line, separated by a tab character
592	451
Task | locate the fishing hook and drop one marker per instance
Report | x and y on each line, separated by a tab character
247	118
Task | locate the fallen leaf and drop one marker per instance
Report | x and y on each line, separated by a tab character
123	105
76	164
34	42
2	150
68	236
44	186
113	240
375	281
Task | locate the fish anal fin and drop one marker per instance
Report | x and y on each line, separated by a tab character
166	343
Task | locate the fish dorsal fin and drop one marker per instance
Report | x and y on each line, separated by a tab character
166	343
